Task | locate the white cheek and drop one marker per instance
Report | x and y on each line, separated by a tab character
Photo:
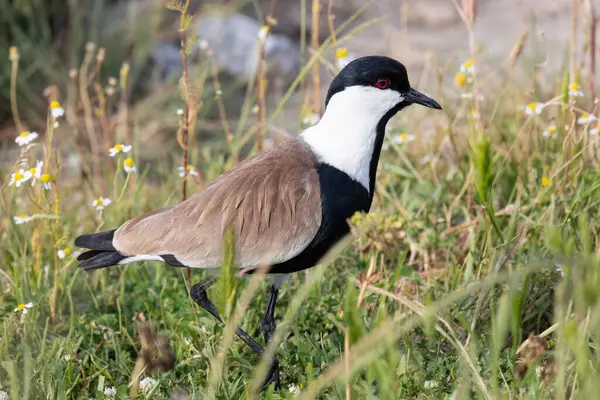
345	136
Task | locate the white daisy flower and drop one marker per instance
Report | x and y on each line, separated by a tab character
36	172
263	32
180	112
56	110
25	138
295	390
3	395
343	57
147	384
110	392
575	90
22	308
118	148
129	166
191	171
62	253
594	131
56	125
586	118
403	138
475	114
100	203
310	119
46	181
431	384
468	67
19	177
533	108
22	219
550	131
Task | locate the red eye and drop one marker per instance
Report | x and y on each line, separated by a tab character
382	83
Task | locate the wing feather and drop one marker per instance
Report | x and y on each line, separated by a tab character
270	201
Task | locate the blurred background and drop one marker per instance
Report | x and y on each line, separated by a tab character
428	36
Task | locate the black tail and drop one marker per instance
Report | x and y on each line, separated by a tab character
102	253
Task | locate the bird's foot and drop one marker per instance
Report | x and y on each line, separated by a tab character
272	376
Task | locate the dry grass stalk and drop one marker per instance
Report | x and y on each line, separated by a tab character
316	78
517	50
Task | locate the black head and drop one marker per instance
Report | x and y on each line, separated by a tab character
379	72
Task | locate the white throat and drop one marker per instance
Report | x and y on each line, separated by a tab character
345	136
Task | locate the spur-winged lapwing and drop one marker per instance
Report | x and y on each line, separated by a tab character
286	206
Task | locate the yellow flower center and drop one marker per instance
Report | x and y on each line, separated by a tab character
54	104
67	251
99	202
21	307
22	216
404	137
45	178
118	147
32	170
468	64
532	106
129	163
551	130
190	167
24	134
546	181
460	79
18	176
585	116
341	52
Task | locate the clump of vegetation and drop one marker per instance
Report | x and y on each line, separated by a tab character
475	276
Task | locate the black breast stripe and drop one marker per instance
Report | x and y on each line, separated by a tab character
341	197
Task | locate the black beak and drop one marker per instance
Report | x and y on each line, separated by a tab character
416	97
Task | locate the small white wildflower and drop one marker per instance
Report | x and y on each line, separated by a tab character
147	384
468	67
3	395
310	119
191	171
475	114
255	109
36	172
62	253
550	131
343	57
295	390
25	138
56	110
119	148
575	90
22	219
594	131
559	269
219	93
180	112
538	370
403	138
46	181
129	166
431	384
56	125
202	44
110	392
533	108
586	118
19	177
22	308
67	357
101	202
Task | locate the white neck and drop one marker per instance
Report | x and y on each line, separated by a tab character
345	137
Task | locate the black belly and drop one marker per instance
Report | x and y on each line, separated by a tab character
341	197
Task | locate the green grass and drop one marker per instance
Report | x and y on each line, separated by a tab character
434	297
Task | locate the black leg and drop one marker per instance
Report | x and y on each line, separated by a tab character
267	325
200	297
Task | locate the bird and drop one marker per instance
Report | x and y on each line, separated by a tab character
286	206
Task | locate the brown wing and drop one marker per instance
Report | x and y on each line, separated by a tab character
271	202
